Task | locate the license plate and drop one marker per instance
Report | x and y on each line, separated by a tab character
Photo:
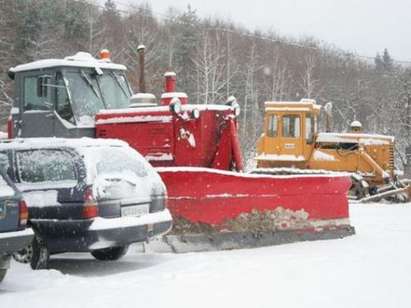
135	210
2	210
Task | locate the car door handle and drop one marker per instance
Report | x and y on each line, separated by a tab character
50	115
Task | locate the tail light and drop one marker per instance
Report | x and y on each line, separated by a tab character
23	213
10	127
158	203
90	209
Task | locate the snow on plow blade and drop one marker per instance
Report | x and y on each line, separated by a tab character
260	210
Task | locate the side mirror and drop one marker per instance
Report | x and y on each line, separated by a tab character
11	74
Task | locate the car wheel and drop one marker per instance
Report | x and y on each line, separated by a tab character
36	254
3	272
24	255
112	253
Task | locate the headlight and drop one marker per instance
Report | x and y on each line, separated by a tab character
232	101
237	109
175	105
195	113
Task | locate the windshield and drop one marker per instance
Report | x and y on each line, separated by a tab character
91	91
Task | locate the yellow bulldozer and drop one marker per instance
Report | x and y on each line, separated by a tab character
291	144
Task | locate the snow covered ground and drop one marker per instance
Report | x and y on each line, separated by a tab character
370	269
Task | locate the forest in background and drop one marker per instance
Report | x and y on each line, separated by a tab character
213	59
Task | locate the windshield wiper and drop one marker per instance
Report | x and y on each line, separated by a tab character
85	77
116	78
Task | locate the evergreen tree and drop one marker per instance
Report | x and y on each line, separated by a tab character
188	38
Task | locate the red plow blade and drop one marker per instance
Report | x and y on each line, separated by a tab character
260	210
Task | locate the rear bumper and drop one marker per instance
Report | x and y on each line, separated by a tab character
13	241
100	233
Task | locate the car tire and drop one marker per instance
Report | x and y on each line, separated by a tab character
3	272
40	257
110	254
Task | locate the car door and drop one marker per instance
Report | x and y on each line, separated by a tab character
49	181
36	105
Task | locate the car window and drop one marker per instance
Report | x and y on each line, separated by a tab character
4	161
37	94
117	160
36	166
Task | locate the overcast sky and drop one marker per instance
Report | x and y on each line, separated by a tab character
363	26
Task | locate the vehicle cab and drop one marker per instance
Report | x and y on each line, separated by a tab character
60	97
288	134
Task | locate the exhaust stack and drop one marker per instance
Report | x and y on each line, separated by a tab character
170	81
142	84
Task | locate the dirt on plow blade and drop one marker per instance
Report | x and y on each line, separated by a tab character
241	240
221	210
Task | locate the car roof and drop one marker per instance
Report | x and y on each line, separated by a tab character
80	59
46	143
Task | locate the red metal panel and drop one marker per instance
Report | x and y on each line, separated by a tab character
214	197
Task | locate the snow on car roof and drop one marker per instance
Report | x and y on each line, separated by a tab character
80	59
34	143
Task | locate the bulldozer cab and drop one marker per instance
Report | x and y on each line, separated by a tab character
60	97
289	132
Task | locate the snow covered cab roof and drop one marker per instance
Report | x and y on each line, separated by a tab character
36	143
80	59
305	105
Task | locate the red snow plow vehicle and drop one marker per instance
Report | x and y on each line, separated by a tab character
196	151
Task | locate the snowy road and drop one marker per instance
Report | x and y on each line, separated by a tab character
370	269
